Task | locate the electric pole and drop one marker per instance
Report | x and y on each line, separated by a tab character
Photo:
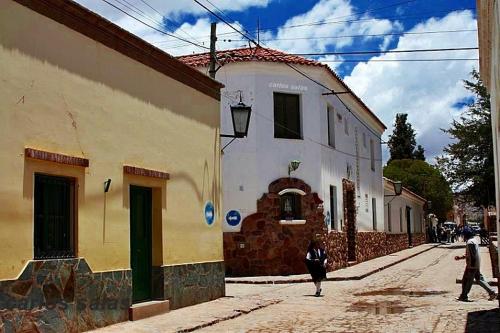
213	39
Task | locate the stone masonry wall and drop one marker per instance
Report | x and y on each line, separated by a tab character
418	239
396	242
336	248
264	246
370	245
191	284
64	295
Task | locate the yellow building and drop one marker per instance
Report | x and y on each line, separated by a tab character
110	183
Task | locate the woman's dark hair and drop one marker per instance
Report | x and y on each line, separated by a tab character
312	245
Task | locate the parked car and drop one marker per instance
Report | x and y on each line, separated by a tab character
449	225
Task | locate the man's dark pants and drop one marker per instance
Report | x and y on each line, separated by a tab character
471	274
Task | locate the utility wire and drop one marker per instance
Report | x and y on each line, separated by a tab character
378	51
225	21
305	75
402	60
166	19
360	36
154	28
299	134
331	37
353	21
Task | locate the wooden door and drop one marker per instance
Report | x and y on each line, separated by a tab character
140	242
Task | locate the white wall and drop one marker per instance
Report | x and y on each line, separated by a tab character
398	204
251	164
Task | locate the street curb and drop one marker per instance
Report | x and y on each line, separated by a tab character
346	278
235	314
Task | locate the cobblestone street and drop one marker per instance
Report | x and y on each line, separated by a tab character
418	295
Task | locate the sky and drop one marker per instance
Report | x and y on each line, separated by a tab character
431	93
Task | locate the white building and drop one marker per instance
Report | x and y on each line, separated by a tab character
404	214
294	118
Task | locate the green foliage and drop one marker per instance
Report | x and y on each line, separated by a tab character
425	180
468	161
402	141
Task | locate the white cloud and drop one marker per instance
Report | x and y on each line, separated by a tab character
168	8
427	91
339	15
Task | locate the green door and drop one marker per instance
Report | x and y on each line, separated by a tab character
140	242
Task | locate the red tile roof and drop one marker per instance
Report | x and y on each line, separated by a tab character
268	55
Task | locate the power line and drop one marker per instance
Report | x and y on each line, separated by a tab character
361	36
376	52
355	20
223	20
166	19
323	22
300	135
250	39
401	60
154	28
332	91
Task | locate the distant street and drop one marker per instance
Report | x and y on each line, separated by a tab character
417	295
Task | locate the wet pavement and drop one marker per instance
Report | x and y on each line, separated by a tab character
418	295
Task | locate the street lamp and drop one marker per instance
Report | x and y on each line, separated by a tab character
292	166
398	189
240	114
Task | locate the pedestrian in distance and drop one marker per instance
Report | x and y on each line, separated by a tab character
472	269
316	264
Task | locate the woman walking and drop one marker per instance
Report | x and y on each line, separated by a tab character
316	264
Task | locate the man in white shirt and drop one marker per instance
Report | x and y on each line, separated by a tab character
472	269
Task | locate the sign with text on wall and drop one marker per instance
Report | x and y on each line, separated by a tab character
233	218
209	211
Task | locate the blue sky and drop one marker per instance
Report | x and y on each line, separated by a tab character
431	93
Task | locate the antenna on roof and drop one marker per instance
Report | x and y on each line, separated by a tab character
258	31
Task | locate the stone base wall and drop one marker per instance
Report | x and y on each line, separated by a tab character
266	247
418	239
336	248
191	284
64	296
396	242
369	245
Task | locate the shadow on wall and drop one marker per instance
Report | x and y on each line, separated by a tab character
486	321
91	60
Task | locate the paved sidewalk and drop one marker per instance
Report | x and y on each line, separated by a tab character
355	272
194	317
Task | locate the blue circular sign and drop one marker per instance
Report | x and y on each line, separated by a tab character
209	212
233	218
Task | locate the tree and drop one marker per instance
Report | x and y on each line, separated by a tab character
418	154
425	180
402	141
468	161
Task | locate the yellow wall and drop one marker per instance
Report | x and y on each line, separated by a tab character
63	92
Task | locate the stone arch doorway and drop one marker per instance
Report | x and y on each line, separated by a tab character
349	200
